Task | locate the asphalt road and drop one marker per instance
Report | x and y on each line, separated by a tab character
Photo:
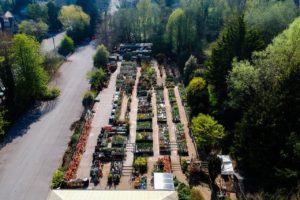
49	45
36	143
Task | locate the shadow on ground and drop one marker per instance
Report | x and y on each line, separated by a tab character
22	125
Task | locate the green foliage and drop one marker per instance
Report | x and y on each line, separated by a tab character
207	131
89	7
214	167
75	22
184	191
101	57
196	195
30	77
236	40
50	94
52	61
57	179
37	12
272	114
66	46
242	81
184	165
97	78
36	29
177	34
270	17
88	99
140	163
3	124
190	67
197	96
53	11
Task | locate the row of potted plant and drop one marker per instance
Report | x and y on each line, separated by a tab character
163	164
181	140
161	108
174	106
126	77
164	140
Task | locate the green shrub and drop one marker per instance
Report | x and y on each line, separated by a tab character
88	99
97	78
184	165
75	138
66	46
50	94
101	56
57	178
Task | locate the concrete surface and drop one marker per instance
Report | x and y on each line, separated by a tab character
35	145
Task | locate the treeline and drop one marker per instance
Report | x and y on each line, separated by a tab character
23	77
239	61
24	69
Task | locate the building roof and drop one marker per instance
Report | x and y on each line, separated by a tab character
111	195
8	15
227	168
163	181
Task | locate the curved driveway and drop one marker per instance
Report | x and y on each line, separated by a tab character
36	143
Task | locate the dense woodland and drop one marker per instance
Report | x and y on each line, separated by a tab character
239	61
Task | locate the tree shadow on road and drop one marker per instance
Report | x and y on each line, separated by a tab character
22	125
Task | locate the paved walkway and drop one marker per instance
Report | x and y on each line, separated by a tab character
184	121
125	180
155	126
123	107
175	159
101	117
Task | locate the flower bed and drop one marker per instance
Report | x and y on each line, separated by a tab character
164	141
108	154
118	141
144	126
181	140
115	173
163	165
80	148
126	77
175	113
144	117
144	137
172	97
144	149
148	78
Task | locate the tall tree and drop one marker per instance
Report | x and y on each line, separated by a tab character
53	10
6	74
272	114
30	77
235	41
36	29
197	96
207	132
38	12
270	17
75	22
90	7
